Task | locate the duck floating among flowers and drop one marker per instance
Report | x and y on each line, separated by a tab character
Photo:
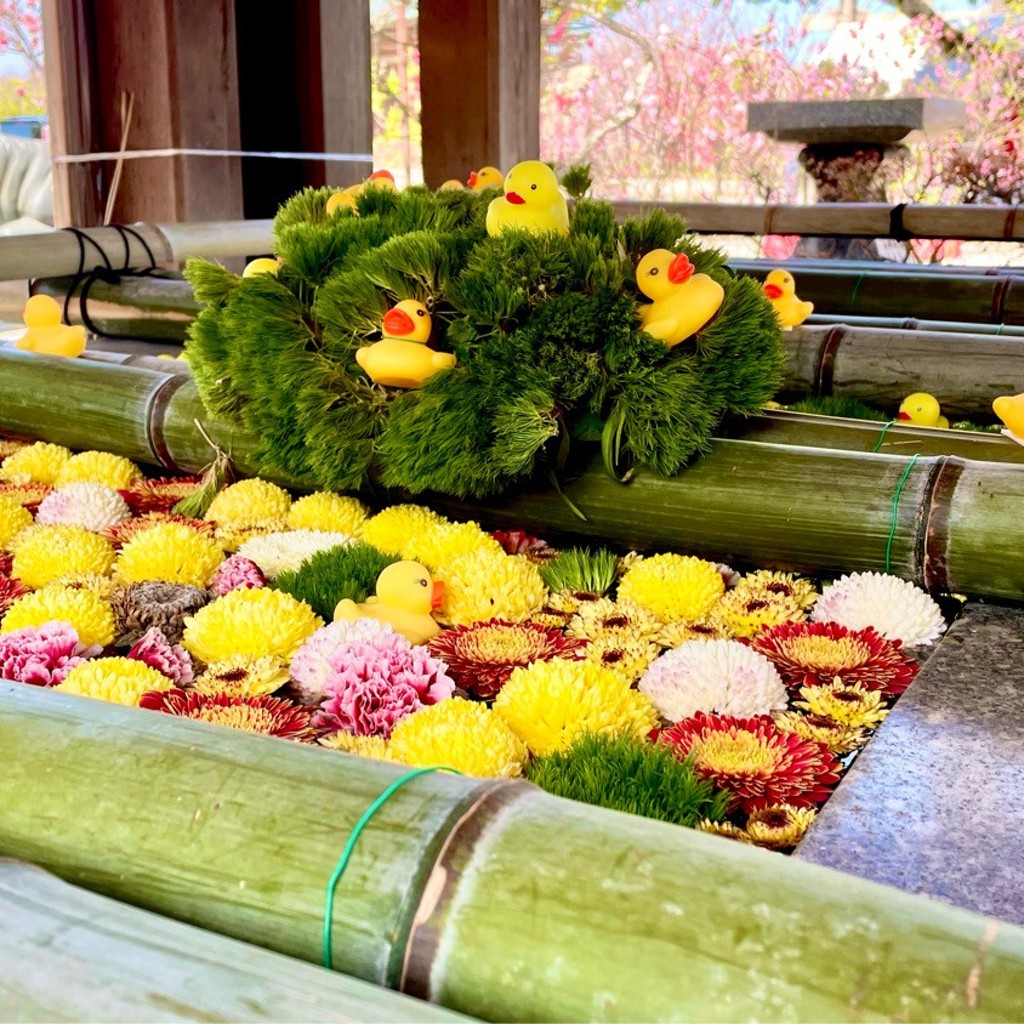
682	301
45	333
345	199
780	288
401	358
1010	409
405	596
922	410
532	201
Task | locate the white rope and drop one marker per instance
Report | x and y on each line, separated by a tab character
147	154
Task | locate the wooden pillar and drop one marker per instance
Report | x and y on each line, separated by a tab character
479	84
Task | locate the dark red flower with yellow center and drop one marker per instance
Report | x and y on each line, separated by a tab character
121	533
159	494
29	495
269	716
10	591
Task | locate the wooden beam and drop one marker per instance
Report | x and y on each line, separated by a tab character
479	83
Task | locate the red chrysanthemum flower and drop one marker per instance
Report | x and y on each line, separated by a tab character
519	542
29	495
121	533
481	657
755	760
159	494
814	653
10	591
269	716
6	562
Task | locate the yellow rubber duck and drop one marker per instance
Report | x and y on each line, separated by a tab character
401	358
922	410
405	596
532	201
1010	409
345	199
780	288
486	177
451	185
46	334
263	265
682	301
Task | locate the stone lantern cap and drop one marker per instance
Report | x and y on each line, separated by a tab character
824	122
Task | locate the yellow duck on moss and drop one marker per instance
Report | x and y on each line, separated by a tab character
923	410
780	288
405	596
486	177
401	358
1010	409
45	333
345	199
532	201
682	301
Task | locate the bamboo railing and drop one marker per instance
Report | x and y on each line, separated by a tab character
909	323
67	954
487	896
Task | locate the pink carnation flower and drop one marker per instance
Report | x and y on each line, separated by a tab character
236	573
154	649
311	668
42	655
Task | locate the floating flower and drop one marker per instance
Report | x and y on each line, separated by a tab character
717	676
853	705
170	553
97	468
331	513
119	680
458	734
10	591
38	463
483	585
674	634
519	542
839	738
54	551
276	553
550	703
373	683
390	530
160	494
268	716
243	676
122	533
101	586
91	506
571	602
745	611
481	657
724	828
13	519
250	502
755	760
893	607
171	660
140	606
6	561
10	445
28	495
88	615
814	653
237	573
311	667
231	536
365	746
42	655
440	543
780	826
627	655
253	622
672	587
778	584
618	619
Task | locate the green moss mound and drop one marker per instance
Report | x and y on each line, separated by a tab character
839	405
544	327
627	775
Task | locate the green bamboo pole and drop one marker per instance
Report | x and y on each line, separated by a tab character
115	962
490	897
760	266
913	324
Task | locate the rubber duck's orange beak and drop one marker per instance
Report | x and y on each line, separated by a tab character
515	198
471	180
773	291
680	269
437	595
904	416
377	175
397	323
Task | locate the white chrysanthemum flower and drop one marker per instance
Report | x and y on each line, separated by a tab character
893	607
721	677
92	506
284	551
309	667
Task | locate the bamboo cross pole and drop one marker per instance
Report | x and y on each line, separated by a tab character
909	323
485	895
759	267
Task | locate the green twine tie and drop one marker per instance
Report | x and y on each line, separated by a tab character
895	511
881	436
853	294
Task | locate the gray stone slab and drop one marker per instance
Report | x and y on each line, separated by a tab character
935	803
853	121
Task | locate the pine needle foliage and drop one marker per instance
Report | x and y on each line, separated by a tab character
544	328
629	775
581	570
838	405
327	577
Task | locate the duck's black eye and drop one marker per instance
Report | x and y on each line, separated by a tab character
534	187
421	312
422	583
653	272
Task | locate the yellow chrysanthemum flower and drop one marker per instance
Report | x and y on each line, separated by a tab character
779	826
98	468
365	746
673	588
250	501
629	656
674	634
38	463
90	615
745	612
838	737
621	619
13	519
332	513
441	543
243	676
779	584
482	585
849	704
53	551
171	552
256	623
724	828
572	601
391	529
549	703
101	586
231	536
119	680
458	734
9	445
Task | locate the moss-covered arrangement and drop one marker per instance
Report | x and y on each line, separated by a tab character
544	328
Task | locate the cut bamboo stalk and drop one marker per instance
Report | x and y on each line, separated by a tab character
958	526
759	267
115	962
487	896
910	323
